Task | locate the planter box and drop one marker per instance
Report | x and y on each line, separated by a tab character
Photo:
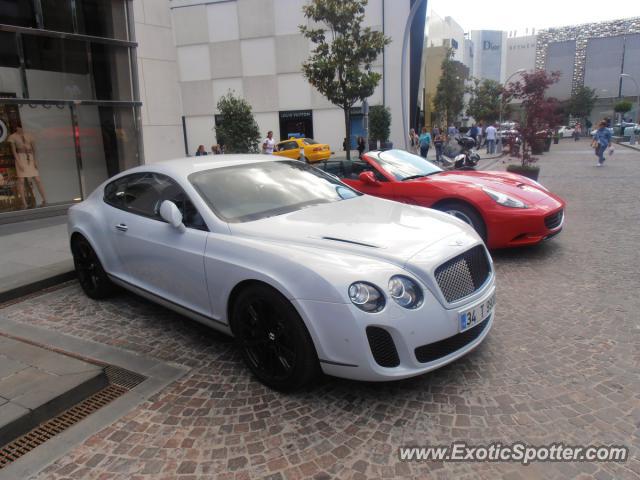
538	146
373	145
386	145
529	172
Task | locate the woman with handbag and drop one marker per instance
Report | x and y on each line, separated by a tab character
601	140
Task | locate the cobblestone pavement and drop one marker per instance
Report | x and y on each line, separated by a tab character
561	365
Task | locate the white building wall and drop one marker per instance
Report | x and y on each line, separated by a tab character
254	47
521	54
158	81
490	54
445	32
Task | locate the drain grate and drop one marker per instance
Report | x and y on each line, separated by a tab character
120	382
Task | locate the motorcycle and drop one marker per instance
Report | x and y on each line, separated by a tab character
465	158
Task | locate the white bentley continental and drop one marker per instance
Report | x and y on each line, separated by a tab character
306	273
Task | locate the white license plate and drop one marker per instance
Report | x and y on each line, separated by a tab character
470	318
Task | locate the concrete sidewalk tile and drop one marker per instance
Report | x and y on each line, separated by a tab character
10	366
43	359
21	382
10	412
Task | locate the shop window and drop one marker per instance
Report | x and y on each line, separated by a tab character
296	123
37	157
17	12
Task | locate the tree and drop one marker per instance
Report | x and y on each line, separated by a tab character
581	102
379	123
486	96
623	106
540	113
339	67
238	128
449	98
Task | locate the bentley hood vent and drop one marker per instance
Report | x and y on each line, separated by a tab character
353	242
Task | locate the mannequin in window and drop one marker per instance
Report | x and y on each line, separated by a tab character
24	154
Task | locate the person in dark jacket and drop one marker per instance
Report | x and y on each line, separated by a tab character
361	147
201	151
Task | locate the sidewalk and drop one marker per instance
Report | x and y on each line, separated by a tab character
37	384
32	252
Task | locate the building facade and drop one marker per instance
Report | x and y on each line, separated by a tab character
489	54
255	49
521	54
91	87
69	108
445	32
594	55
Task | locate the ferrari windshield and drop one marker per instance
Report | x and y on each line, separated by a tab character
404	165
247	192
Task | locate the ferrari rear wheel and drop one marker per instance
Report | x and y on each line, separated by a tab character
467	214
92	277
274	341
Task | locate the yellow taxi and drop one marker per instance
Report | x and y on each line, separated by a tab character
313	151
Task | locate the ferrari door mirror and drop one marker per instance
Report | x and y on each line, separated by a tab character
170	212
368	178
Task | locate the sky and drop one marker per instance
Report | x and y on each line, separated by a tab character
509	15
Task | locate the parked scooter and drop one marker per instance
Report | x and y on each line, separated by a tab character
465	158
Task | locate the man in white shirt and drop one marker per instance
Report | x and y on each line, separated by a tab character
492	134
268	144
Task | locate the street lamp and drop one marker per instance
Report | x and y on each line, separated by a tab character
626	75
517	72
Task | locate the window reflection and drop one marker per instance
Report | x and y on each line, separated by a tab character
56	15
17	12
102	18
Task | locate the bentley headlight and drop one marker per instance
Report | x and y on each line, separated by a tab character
504	199
366	297
405	292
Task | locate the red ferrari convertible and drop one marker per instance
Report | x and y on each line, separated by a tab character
506	209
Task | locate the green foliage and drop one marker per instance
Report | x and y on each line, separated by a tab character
623	106
484	104
581	102
238	129
379	123
449	97
339	66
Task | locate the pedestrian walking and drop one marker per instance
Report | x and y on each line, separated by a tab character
491	135
480	136
588	124
577	132
438	142
360	147
425	142
601	140
413	141
452	131
268	144
200	151
473	133
435	131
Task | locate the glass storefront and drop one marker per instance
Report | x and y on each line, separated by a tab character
69	112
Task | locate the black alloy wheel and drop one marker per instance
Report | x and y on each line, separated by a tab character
274	341
92	277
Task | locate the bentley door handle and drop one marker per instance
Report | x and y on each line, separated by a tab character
122	227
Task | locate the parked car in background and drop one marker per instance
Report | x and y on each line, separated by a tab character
566	131
295	147
305	272
506	209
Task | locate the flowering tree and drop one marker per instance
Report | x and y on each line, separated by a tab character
541	113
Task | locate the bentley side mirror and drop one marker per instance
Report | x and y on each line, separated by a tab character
170	213
369	178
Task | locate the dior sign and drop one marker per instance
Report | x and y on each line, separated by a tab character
487	45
